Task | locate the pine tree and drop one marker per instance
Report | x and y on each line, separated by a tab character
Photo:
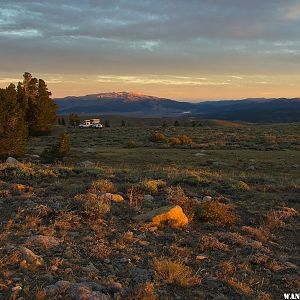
43	111
57	151
123	124
106	123
13	128
34	98
74	120
62	121
176	123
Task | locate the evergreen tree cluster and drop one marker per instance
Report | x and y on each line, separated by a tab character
24	110
74	120
61	121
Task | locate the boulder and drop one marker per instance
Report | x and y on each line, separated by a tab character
171	213
200	154
251	168
148	198
207	198
85	164
11	160
114	197
29	258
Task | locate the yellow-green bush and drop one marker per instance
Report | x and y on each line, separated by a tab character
92	205
217	213
103	186
157	137
174	272
174	141
185	140
152	186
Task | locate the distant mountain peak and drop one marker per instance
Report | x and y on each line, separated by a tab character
128	96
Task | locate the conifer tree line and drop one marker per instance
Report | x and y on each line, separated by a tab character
25	110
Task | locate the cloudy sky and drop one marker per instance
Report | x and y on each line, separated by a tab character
181	49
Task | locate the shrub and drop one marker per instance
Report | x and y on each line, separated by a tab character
217	213
131	144
241	186
185	140
175	272
157	137
145	291
276	218
261	234
153	185
57	151
103	186
92	205
174	141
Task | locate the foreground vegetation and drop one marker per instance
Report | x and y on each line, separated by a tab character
237	185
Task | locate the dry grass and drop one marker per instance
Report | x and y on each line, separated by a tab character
226	268
264	296
240	286
143	292
174	272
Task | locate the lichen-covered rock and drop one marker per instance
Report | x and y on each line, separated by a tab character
12	160
172	214
43	241
82	290
207	198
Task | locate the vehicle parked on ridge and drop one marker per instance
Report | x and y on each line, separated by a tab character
91	123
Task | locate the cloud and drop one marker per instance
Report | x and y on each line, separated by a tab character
188	40
160	80
292	12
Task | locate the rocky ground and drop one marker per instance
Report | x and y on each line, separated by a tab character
224	228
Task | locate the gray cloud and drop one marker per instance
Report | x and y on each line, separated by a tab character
132	37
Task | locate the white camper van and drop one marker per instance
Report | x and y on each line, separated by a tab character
91	123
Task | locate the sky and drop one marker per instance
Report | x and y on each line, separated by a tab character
188	50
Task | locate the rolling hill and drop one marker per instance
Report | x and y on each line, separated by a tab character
255	110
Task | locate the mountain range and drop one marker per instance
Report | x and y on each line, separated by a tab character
256	110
